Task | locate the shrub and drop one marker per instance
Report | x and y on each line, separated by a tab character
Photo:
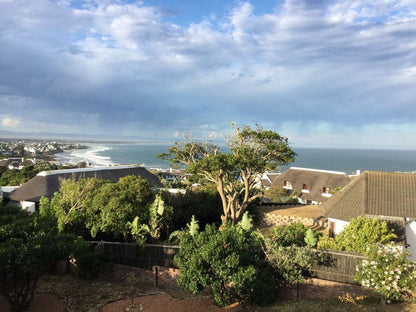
89	259
229	261
204	204
358	235
388	272
311	237
293	234
29	247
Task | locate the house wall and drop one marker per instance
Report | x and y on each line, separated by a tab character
338	225
26	205
411	238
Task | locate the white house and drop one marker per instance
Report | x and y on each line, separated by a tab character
312	186
389	196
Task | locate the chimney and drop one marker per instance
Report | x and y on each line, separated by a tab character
357	172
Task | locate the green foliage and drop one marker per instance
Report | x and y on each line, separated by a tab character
139	231
311	237
96	205
17	177
292	264
89	259
228	261
252	152
192	229
29	247
203	203
193	226
159	218
358	235
246	222
278	194
293	234
388	272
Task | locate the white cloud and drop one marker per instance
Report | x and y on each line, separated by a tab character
10	122
124	67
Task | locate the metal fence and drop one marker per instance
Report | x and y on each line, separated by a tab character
338	266
144	257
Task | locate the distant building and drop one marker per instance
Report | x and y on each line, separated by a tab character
312	186
173	175
268	178
46	183
16	163
388	196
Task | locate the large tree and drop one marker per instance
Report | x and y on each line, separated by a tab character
235	173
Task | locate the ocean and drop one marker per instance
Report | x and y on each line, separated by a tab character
346	160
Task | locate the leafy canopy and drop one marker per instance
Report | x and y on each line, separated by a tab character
252	152
359	234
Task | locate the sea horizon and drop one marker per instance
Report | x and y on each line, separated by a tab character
337	159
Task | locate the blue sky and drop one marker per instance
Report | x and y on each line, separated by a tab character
323	73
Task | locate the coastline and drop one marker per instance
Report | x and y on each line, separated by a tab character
345	160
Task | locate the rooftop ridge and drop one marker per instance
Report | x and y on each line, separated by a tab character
319	170
75	170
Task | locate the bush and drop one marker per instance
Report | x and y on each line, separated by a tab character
388	272
293	234
29	247
358	235
89	260
229	261
204	204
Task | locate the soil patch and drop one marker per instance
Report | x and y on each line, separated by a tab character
41	302
165	302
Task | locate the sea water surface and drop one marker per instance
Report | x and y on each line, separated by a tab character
346	160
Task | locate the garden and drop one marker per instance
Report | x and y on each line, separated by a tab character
224	263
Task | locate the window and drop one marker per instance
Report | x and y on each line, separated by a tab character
287	185
305	187
326	190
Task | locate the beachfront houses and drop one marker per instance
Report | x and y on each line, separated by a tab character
389	196
46	183
312	186
16	163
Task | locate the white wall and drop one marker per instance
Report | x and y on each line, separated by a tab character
28	206
411	239
338	225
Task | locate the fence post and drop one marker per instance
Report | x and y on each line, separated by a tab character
155	270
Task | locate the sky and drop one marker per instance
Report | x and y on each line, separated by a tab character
323	73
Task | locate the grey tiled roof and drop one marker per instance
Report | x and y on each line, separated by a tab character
385	194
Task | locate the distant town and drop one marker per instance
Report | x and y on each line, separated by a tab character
41	149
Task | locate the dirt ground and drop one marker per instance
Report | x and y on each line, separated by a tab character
152	303
165	302
41	303
112	293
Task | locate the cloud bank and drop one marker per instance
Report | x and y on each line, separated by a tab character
338	73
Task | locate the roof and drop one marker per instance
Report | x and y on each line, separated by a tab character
315	180
46	183
384	194
269	178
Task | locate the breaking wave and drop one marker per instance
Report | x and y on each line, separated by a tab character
90	155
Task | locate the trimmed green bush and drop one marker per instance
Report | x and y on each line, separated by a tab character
229	261
293	234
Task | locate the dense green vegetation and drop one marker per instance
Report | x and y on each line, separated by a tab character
29	246
234	173
360	234
229	261
387	270
18	177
